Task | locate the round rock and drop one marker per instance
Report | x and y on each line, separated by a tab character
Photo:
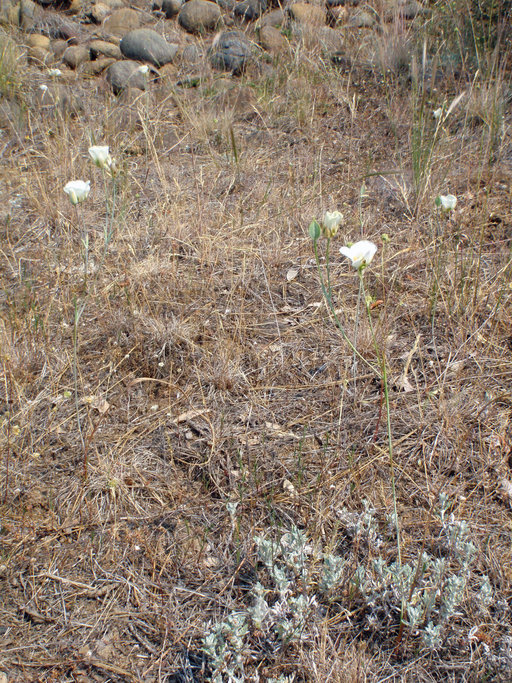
98	12
97	66
304	13
171	7
272	40
121	21
125	74
101	48
38	40
198	16
275	18
147	45
250	9
230	51
75	55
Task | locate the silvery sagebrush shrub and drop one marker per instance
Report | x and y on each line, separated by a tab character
290	599
224	646
435	587
279	612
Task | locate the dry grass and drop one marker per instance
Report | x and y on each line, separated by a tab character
204	376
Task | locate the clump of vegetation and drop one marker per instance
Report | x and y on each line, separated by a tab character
306	586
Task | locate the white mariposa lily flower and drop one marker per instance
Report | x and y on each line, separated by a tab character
331	222
447	202
54	72
100	156
361	253
77	190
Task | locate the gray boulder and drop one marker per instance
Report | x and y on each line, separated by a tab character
125	74
275	18
250	9
230	51
171	7
75	55
191	54
198	16
147	45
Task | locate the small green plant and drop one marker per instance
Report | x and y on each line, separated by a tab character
439	238
298	583
101	157
224	645
77	192
360	255
436	585
280	610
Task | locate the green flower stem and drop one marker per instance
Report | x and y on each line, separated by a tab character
110	211
327	293
107	207
384	378
85	241
79	306
356	329
327	264
78	310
